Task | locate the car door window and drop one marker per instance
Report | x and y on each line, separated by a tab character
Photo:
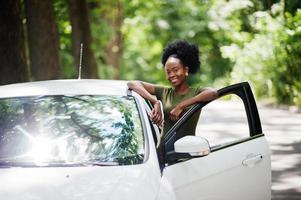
223	121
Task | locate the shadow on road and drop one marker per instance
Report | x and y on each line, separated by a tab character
286	171
283	131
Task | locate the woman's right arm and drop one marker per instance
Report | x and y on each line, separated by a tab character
147	91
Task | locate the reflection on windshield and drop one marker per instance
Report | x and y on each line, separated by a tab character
70	129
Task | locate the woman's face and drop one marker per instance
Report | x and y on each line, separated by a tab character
175	71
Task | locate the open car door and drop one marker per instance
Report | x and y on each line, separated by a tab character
233	170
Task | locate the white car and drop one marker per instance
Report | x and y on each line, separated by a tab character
92	139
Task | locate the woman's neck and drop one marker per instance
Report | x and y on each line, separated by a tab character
182	89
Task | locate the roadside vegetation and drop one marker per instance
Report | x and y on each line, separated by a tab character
249	40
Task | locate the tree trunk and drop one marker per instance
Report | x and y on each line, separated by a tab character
13	66
81	33
113	49
43	39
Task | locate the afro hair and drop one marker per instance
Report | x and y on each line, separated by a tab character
186	52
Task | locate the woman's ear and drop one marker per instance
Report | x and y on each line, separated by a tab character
186	71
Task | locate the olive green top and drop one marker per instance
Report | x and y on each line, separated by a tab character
170	99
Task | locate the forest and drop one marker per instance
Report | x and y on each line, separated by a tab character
258	41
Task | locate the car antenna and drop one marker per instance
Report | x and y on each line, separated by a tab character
80	61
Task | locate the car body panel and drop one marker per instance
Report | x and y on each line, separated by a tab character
65	87
98	182
238	171
222	176
91	182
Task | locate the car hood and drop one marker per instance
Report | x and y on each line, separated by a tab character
79	183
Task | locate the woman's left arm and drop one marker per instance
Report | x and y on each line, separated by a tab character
207	94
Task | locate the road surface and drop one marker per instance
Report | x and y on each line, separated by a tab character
283	131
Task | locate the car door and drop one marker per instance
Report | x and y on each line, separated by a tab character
236	169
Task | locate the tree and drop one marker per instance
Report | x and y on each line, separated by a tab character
81	33
12	52
113	50
43	39
268	54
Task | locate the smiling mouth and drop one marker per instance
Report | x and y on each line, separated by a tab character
173	80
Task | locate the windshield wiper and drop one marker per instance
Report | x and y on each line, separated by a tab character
89	163
13	163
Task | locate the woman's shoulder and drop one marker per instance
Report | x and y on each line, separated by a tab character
161	91
162	88
200	89
196	89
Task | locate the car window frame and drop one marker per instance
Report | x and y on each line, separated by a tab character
144	126
156	129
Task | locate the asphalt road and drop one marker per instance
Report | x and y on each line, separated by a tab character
283	132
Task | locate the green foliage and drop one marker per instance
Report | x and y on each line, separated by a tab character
257	41
158	22
271	59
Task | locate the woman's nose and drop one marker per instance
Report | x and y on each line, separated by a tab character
170	75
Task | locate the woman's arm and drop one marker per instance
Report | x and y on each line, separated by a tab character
207	95
147	91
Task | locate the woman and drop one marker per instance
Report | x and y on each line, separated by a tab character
179	59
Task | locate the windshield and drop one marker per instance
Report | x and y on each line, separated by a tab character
70	130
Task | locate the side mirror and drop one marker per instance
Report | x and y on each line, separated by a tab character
193	145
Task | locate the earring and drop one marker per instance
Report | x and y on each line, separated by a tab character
186	74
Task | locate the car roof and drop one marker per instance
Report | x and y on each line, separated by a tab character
65	87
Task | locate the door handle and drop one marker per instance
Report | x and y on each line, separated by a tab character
252	160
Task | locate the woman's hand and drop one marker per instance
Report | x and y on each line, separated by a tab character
156	114
175	113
